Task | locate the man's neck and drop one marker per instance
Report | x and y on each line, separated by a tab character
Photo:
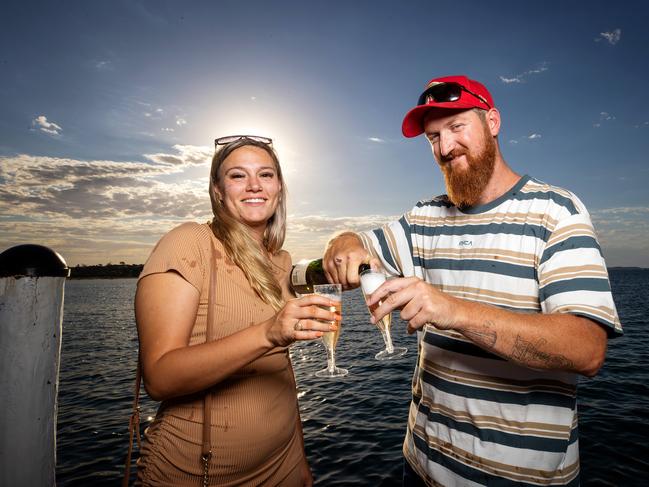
502	180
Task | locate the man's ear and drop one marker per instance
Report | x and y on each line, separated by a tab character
493	121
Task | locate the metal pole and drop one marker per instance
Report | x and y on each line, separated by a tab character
32	279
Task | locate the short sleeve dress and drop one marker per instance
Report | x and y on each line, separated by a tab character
254	412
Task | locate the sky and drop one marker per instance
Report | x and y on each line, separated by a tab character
109	110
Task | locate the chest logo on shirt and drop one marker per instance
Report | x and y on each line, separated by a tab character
466	243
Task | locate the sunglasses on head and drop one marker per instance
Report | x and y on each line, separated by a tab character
445	92
228	139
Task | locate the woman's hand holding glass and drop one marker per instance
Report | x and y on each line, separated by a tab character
304	318
329	340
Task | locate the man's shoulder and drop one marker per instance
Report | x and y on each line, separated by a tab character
536	185
552	194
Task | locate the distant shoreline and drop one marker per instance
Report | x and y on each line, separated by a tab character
108	271
627	268
119	271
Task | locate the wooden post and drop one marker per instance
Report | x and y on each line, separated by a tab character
32	279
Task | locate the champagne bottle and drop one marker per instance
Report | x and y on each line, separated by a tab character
306	273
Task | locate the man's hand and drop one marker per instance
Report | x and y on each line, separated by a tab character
419	302
550	341
344	254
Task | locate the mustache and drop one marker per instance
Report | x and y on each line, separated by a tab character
452	155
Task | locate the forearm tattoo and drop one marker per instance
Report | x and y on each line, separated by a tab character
484	336
529	353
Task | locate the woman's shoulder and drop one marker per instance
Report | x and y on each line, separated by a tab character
198	233
183	249
190	229
186	238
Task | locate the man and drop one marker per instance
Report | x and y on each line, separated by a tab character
505	284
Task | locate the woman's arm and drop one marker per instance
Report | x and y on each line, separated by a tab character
165	311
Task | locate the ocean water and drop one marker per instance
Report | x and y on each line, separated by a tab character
353	426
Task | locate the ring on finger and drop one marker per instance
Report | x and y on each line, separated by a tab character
298	326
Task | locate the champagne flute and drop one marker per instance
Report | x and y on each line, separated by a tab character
330	338
371	279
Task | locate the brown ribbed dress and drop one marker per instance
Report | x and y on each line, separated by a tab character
254	413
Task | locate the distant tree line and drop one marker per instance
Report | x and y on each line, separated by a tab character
106	271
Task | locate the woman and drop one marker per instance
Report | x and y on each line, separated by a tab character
244	368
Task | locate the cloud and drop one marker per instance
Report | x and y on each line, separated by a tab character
307	235
103	65
376	139
612	37
532	136
623	234
54	187
522	77
157	114
603	118
330	225
542	68
50	128
167	129
89	241
187	155
507	81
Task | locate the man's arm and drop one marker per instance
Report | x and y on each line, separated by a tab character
554	341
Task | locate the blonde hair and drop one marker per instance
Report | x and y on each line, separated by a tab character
240	245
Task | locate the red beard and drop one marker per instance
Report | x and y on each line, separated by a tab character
465	186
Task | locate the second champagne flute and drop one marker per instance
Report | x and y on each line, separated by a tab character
371	279
330	338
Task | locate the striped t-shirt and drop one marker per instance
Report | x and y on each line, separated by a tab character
476	418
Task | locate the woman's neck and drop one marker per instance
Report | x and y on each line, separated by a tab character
257	233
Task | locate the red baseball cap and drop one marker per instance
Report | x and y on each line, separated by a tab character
459	92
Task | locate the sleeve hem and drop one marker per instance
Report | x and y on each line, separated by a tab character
611	330
165	270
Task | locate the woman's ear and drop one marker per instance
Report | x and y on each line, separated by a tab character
217	194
